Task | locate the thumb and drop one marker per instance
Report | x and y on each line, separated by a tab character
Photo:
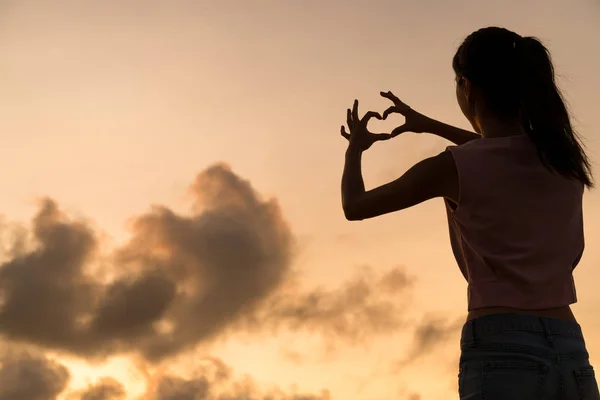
399	130
381	136
388	111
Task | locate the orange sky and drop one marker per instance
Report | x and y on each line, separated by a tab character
109	107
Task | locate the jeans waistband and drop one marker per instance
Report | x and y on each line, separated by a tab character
495	323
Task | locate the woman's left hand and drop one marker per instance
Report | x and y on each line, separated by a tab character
359	135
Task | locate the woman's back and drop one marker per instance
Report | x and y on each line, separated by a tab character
517	231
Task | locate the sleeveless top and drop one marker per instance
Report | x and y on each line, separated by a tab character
517	230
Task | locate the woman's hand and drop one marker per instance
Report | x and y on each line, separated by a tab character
359	135
414	121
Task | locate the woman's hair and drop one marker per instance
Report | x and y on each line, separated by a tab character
516	78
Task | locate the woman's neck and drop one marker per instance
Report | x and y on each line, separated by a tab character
493	127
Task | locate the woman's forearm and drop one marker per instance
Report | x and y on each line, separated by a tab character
352	180
455	135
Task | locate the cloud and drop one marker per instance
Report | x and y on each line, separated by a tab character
28	376
214	380
105	389
44	290
367	304
431	332
434	330
179	281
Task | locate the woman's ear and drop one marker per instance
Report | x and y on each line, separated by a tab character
466	84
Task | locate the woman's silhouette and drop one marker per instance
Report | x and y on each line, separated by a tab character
513	193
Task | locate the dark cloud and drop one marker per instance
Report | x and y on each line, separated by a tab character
434	330
176	388
368	304
105	389
431	332
215	381
45	290
28	376
179	281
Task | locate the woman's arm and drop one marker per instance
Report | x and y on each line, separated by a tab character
455	135
428	179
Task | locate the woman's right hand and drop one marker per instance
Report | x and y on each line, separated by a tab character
414	121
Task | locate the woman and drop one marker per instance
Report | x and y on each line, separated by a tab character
513	193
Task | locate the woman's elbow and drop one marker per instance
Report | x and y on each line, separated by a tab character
352	215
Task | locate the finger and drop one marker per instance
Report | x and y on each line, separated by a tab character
344	133
390	110
389	95
382	136
349	119
397	131
369	115
355	111
401	107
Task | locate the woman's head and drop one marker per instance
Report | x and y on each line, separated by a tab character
510	77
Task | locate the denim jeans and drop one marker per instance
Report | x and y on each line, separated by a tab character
523	357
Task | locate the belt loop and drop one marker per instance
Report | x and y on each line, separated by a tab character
547	331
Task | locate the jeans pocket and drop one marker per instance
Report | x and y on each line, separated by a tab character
515	380
586	382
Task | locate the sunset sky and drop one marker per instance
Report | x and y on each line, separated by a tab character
171	220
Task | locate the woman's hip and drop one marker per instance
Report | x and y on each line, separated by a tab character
542	335
515	356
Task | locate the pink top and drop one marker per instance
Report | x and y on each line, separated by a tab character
517	231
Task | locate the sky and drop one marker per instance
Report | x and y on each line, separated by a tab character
171	221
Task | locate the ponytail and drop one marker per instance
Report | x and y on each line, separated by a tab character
544	115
